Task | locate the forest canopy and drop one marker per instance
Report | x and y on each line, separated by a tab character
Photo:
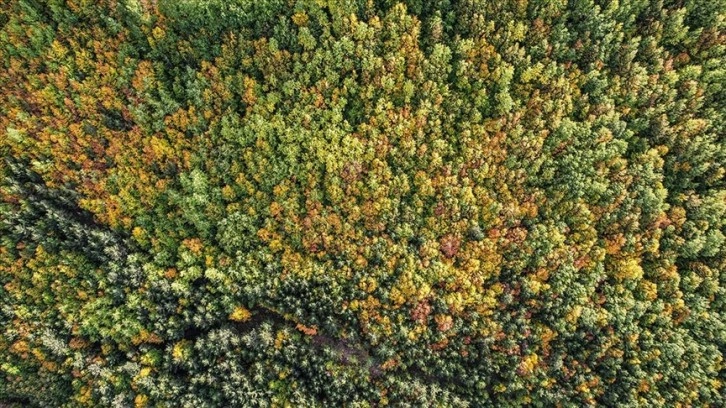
462	203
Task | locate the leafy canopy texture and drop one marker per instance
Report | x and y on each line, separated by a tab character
362	203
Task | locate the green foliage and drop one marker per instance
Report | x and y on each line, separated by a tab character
362	203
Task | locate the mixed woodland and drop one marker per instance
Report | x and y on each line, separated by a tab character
362	203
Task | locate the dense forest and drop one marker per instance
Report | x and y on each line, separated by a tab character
364	203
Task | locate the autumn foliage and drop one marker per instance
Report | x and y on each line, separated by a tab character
209	203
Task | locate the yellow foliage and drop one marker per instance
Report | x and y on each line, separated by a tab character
228	193
180	350
528	364
628	269
279	339
574	314
83	397
158	33
650	289
300	18
141	401
240	314
368	284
